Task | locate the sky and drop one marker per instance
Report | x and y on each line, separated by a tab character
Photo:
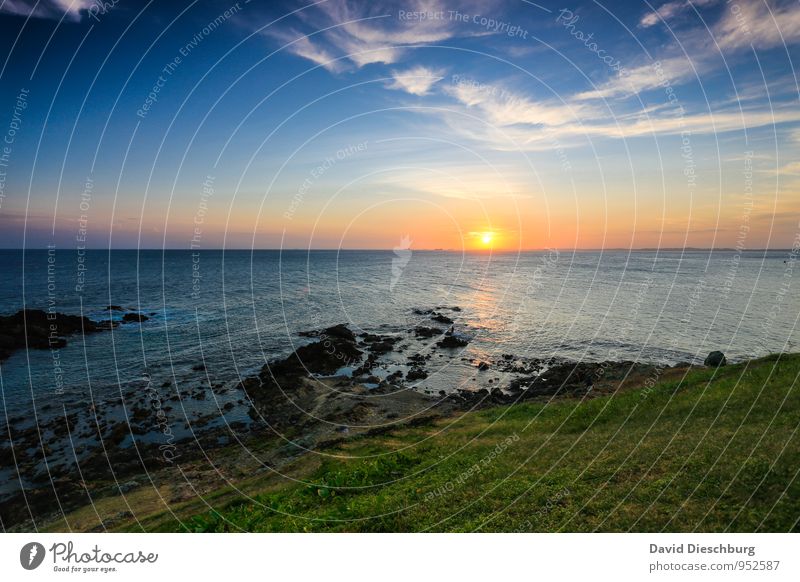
413	124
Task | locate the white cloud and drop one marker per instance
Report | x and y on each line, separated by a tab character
300	45
673	70
745	22
758	24
672	9
505	120
665	12
52	9
503	107
741	25
372	32
417	81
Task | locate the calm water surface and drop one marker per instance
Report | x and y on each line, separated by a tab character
236	309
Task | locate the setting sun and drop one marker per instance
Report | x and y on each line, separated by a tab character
486	238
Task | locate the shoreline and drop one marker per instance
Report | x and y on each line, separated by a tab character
222	476
342	409
338	385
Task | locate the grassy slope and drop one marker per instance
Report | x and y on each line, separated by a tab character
711	451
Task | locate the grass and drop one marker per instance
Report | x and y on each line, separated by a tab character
714	450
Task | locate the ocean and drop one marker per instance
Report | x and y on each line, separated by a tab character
235	310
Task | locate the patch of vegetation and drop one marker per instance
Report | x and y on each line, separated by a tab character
711	450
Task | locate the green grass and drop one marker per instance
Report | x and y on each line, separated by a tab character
711	451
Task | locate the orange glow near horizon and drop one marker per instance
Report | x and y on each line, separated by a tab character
457	224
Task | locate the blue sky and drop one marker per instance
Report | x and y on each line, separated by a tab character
354	123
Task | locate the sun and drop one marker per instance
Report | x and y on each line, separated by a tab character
486	238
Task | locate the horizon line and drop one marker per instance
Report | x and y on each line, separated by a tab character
437	250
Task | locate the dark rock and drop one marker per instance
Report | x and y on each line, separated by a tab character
118	433
339	331
384	345
569	378
441	318
37	329
416	374
139	429
7	457
452	341
394	376
114	308
335	349
423	331
715	359
416	360
140	414
134	317
483	366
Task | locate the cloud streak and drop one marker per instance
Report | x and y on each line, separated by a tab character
361	33
300	45
742	26
49	9
506	120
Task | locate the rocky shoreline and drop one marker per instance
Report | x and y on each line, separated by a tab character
41	330
304	392
37	329
337	384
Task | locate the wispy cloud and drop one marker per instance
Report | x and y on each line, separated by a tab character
52	9
363	33
756	23
300	45
417	80
675	70
670	10
665	12
505	120
504	107
380	39
744	23
740	26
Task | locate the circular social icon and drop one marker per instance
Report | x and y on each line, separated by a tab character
31	555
